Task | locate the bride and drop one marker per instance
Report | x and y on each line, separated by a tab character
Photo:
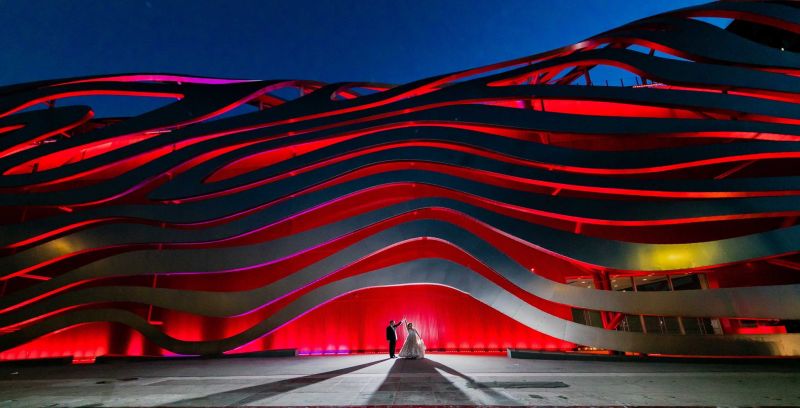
414	347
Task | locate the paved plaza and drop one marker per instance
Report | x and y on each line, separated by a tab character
441	379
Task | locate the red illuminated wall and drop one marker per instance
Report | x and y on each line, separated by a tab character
447	319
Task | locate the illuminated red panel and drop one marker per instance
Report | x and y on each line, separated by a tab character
76	154
354	322
599	108
446	318
271	157
91	339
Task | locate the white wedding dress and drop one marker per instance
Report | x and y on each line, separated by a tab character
414	347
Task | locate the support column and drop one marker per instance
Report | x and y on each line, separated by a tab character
641	318
150	307
680	319
611	320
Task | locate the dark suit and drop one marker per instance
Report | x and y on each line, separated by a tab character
391	335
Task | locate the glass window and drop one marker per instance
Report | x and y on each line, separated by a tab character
671	325
578	316
585	283
685	282
697	325
622	283
651	283
633	323
594	318
654	324
691	325
706	325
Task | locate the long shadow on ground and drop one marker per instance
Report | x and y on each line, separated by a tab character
261	391
426	383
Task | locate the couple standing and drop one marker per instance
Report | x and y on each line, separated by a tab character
414	347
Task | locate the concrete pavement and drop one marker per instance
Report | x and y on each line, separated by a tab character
443	379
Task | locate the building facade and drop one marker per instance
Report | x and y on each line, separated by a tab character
527	204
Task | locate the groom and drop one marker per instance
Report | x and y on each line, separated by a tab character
391	335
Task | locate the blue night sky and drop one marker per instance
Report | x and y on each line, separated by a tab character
382	41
